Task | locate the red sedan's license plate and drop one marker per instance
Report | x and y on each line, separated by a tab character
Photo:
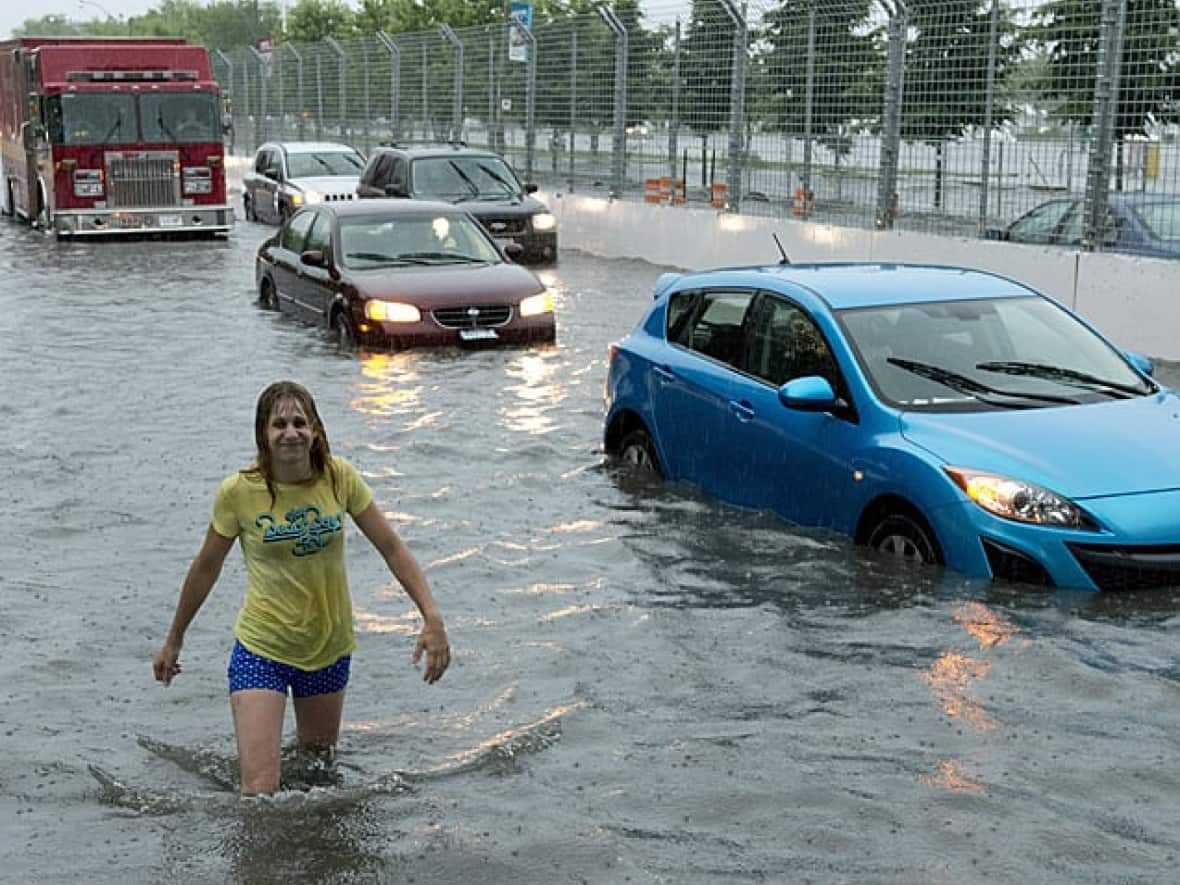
478	334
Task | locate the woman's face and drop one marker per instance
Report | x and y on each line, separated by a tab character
289	434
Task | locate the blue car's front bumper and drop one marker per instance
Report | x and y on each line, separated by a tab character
1137	547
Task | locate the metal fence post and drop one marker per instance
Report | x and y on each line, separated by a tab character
342	74
891	130
395	82
530	104
319	97
989	101
229	67
298	87
262	72
573	103
737	94
618	150
457	88
674	121
1106	96
809	108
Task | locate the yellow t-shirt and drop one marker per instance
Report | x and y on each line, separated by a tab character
297	609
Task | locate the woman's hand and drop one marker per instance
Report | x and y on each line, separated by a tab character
166	663
433	641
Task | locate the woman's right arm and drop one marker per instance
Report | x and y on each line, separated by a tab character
202	575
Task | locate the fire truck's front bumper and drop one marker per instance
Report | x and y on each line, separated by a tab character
173	220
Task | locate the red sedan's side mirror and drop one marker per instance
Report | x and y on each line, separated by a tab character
313	258
513	251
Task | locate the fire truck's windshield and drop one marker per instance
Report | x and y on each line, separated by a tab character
92	118
180	116
98	118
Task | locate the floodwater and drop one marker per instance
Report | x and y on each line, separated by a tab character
648	686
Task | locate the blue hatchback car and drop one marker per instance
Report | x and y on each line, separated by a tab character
940	414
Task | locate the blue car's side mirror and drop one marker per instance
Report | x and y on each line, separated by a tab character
809	394
1140	362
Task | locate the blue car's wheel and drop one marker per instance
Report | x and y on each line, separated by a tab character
905	537
637	450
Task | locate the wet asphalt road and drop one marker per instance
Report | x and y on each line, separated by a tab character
648	687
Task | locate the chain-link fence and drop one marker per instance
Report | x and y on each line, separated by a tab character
951	116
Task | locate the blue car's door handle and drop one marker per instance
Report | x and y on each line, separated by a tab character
664	374
743	411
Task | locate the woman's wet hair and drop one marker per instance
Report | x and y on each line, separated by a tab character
268	400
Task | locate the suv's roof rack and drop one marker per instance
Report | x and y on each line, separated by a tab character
456	143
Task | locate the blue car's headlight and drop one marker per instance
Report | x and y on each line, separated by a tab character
1018	500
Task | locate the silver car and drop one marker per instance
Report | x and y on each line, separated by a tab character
287	175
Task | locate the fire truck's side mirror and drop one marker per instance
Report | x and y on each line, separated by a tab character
30	135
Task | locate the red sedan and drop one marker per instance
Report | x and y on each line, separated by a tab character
401	273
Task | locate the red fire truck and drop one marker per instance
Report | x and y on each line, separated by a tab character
111	135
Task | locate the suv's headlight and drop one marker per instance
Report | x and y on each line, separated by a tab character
1018	500
391	312
537	304
543	221
311	197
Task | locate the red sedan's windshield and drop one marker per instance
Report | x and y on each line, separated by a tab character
370	242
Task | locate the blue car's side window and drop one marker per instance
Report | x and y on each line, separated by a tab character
786	343
713	324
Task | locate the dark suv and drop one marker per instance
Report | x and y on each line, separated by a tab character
476	180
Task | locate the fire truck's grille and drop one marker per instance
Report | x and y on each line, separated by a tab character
142	179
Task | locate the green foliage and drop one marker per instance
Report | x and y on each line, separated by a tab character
1149	76
310	21
706	68
849	69
946	67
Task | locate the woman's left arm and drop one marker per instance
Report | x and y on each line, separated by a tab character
433	638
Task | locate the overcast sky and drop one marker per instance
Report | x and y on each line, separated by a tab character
14	12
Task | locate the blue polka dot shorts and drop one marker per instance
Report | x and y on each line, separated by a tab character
248	670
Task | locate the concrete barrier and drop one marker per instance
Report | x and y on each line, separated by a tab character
1134	301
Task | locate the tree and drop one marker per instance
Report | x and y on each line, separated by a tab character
706	70
848	70
946	72
1149	74
313	20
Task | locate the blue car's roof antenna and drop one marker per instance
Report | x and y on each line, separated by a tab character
781	250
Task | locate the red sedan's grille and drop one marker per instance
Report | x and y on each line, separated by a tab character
483	316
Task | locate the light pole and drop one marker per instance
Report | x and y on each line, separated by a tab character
97	6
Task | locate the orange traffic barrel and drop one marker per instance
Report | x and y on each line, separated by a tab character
651	190
717	192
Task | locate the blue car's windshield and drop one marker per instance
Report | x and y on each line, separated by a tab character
991	353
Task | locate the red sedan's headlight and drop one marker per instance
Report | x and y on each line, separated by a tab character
391	312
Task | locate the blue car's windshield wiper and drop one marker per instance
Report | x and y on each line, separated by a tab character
982	392
1070	377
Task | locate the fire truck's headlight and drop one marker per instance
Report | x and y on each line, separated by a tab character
88	183
198	180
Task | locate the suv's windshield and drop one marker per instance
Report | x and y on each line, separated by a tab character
463	177
993	353
307	165
92	118
414	239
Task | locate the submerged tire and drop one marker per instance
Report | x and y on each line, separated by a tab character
345	336
267	298
638	451
905	537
